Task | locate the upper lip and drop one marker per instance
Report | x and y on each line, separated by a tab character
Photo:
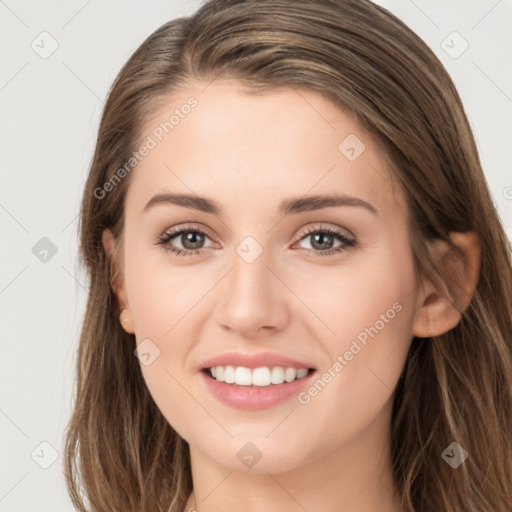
256	360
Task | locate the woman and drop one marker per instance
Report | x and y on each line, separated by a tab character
300	287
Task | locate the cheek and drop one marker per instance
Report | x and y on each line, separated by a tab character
162	296
163	315
165	302
371	310
366	291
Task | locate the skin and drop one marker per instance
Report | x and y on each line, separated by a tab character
248	153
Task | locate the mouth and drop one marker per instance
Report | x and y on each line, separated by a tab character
255	381
261	377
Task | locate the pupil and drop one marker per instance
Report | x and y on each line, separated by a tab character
194	238
321	237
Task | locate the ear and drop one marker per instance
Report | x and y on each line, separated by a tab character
460	273
117	279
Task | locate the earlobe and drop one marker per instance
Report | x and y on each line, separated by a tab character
438	313
116	279
126	320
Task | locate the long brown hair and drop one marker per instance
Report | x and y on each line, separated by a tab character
120	452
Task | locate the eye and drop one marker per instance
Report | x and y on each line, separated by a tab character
191	240
322	240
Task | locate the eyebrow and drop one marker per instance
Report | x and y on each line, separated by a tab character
288	206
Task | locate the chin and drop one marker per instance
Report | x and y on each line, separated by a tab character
256	454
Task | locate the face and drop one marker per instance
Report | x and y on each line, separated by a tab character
262	277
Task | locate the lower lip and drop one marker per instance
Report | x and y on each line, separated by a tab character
255	397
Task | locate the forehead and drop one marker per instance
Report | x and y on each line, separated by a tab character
250	150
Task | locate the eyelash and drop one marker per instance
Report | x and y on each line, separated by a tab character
166	237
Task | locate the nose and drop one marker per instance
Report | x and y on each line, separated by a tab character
254	301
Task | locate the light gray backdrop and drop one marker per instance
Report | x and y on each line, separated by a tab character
58	60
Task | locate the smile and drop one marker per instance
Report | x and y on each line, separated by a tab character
262	377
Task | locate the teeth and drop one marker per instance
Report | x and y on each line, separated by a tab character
277	375
229	374
243	376
302	373
263	376
290	374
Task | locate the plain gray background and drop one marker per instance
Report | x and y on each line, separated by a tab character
51	105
